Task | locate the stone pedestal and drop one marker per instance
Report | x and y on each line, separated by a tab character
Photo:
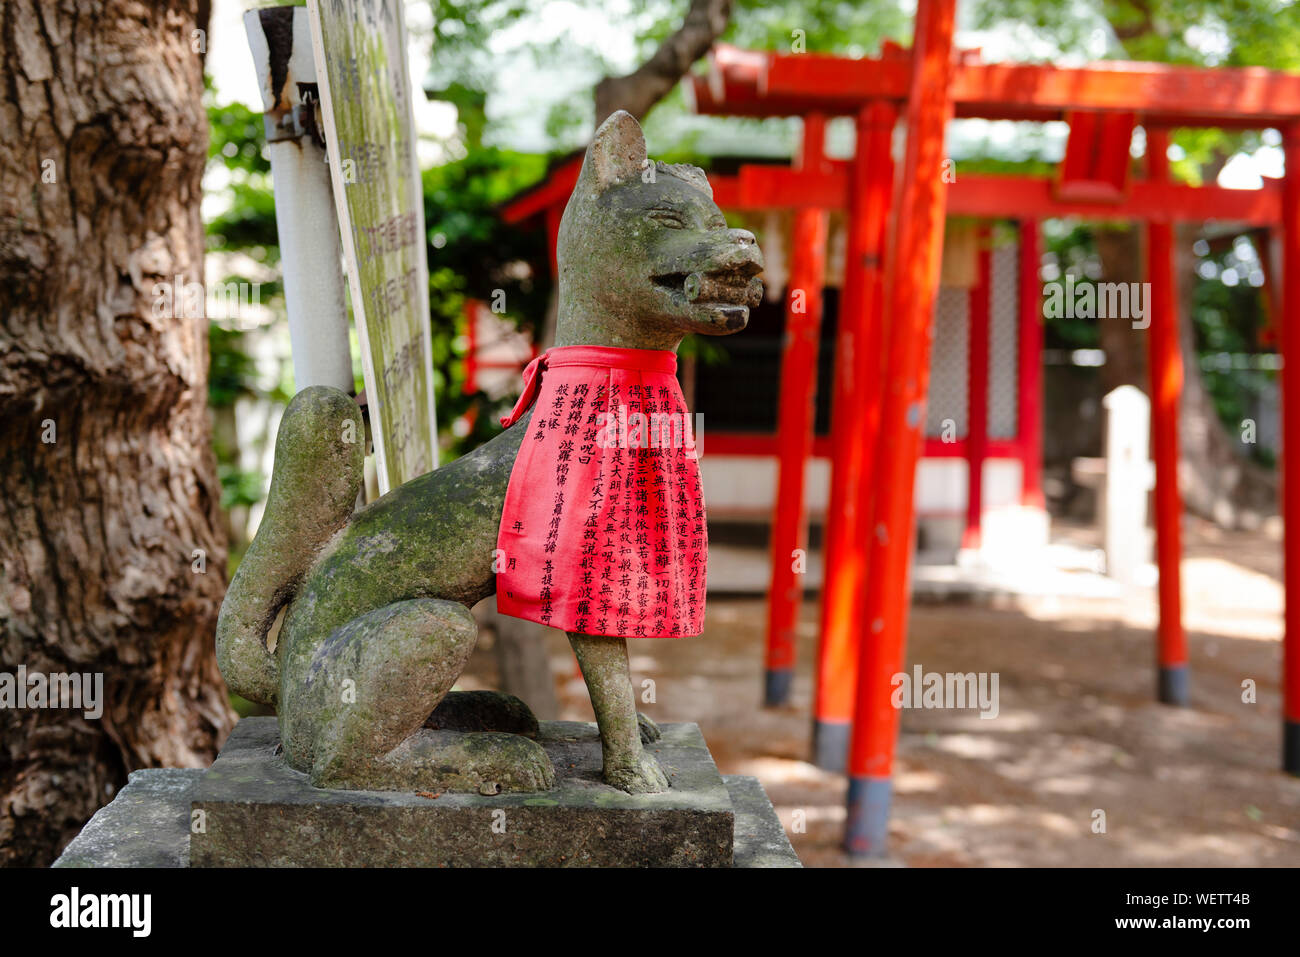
250	809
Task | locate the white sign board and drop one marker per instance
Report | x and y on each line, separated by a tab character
365	91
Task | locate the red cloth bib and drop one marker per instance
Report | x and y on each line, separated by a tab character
603	531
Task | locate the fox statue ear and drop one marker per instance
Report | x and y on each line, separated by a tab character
617	153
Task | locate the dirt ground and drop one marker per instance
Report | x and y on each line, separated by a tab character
1077	729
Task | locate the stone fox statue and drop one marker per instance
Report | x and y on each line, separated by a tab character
376	625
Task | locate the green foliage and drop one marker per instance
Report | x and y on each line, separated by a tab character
239	174
1229	33
231	372
473	254
1206	32
825	26
238	487
1227	316
236	138
483	45
237	151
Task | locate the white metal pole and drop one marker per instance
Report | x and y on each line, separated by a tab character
310	251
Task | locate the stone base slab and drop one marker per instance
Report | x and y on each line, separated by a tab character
258	812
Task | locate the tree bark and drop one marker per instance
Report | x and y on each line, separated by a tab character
645	86
1120	252
111	556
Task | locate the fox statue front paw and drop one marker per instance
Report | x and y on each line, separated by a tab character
643	776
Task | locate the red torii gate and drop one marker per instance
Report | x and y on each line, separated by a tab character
877	430
1102	103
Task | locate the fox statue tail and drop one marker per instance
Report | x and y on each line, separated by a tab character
318	473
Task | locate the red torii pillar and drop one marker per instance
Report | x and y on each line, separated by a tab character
470	309
855	415
794	433
1290	324
1029	390
1166	368
914	275
977	389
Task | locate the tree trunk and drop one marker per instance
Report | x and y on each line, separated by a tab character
111	556
1120	251
649	83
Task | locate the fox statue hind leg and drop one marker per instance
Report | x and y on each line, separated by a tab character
353	698
357	720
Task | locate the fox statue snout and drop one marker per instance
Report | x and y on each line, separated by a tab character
715	297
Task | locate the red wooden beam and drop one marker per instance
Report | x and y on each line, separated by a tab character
1155	202
1096	164
762	187
1238	97
726	191
855	415
473	364
1289	321
995	196
554	190
770	84
764	445
795	429
1166	368
912	282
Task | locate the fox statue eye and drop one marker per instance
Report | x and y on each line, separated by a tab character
668	217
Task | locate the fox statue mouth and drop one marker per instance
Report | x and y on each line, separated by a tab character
727	294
